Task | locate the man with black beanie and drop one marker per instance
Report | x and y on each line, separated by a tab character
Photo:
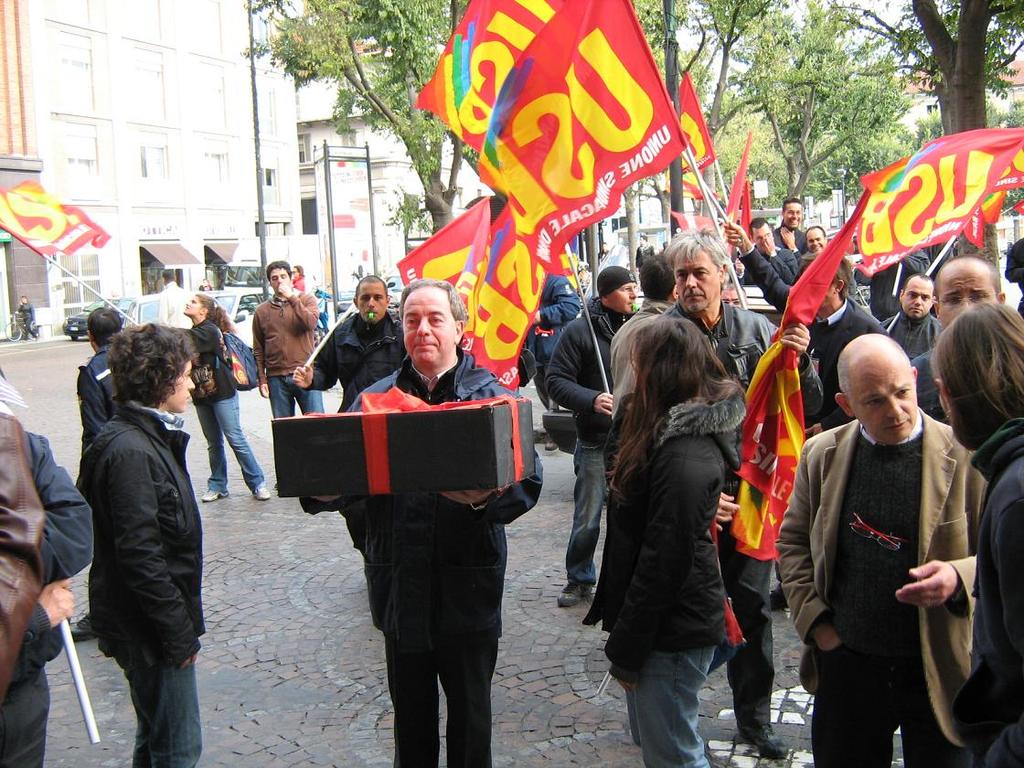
574	382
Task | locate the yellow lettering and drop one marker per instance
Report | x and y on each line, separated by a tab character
693	135
475	111
911	210
636	104
528	199
510	30
539	8
517	265
975	183
557	172
446	266
27	208
500	323
876	234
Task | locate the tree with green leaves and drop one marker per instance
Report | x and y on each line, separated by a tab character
380	54
956	49
821	88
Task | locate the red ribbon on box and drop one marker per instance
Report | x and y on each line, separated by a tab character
376	407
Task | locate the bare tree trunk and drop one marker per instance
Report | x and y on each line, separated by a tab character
629	201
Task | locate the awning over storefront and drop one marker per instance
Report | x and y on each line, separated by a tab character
220	253
167	254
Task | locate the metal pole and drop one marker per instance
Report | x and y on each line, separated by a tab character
79	679
942	254
261	225
590	321
675	170
87	287
373	224
330	225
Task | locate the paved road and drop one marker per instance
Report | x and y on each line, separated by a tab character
292	672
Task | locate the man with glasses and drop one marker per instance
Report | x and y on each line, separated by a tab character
961	283
878	569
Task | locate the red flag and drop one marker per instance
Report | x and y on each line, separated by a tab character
693	221
498	278
40	221
736	192
480	53
929	198
583	114
1019	207
987	213
746	208
773	431
695	129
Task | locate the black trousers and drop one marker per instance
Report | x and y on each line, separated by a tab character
751	671
23	717
862	700
464	666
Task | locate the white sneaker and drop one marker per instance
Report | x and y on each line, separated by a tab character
261	493
213	496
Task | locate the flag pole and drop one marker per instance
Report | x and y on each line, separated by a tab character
716	209
79	680
590	322
942	254
86	286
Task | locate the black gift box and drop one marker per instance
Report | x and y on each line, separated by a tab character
452	449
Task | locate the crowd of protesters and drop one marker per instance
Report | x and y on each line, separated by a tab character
899	543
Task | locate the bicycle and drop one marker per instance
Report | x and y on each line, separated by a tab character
15	330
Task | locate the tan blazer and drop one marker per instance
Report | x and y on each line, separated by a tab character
951	502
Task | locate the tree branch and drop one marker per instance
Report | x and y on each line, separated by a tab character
697	53
356	75
942	43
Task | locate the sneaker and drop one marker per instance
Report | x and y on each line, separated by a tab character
762	737
213	496
574	594
261	493
82	630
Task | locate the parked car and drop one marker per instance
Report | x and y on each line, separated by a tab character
75	326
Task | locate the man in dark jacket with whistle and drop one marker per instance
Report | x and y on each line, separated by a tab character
435	562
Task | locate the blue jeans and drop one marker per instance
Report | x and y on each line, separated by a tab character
589	494
667	707
285	393
220	420
168	733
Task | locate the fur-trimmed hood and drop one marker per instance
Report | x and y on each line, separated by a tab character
721	420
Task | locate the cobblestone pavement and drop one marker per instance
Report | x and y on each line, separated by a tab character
292	672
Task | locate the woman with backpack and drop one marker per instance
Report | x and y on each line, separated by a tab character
216	400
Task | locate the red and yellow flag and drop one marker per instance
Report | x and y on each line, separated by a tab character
930	197
488	41
739	183
773	431
37	218
583	114
695	129
498	278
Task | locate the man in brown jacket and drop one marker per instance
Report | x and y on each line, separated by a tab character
878	568
282	340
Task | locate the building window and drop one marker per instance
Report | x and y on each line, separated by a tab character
144	19
148	99
80	150
76	72
85	266
267	111
153	156
207	25
211	95
215	163
270	186
305	149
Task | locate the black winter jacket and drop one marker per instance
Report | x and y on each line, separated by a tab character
885	303
559	306
436	568
146	577
989	709
572	376
661	587
95	396
355	363
66	549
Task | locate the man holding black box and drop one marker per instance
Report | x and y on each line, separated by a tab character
435	562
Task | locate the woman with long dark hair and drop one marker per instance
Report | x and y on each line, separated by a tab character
979	362
216	400
660	595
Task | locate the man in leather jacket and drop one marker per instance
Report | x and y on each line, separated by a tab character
739	337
